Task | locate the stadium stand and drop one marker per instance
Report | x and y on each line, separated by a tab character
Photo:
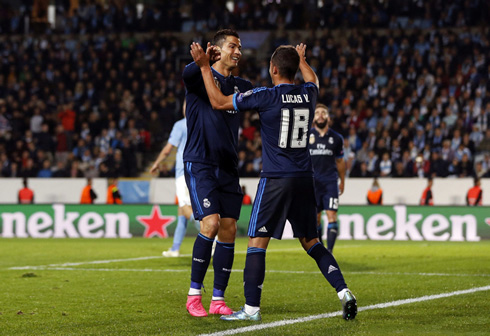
96	94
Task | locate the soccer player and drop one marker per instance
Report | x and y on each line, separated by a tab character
427	196
327	156
177	139
211	170
286	188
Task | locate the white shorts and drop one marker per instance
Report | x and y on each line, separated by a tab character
182	191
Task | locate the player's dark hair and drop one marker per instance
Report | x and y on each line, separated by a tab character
323	106
286	59
221	35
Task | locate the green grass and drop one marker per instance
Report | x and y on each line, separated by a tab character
119	298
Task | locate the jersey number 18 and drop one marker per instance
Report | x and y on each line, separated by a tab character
300	128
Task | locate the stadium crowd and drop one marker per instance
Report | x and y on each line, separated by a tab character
409	101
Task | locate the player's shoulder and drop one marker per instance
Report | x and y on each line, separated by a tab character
335	134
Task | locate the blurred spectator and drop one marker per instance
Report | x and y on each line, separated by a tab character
427	197
26	195
375	194
474	195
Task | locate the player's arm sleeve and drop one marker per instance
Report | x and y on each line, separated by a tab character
250	100
175	135
192	76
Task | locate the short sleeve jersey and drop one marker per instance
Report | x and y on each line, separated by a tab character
286	112
178	138
324	150
212	135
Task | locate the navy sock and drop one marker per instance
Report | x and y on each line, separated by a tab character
333	228
253	275
201	256
329	267
224	254
319	229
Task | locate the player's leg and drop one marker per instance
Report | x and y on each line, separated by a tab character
303	221
331	271
222	263
179	235
230	204
267	220
333	228
331	207
319	226
202	185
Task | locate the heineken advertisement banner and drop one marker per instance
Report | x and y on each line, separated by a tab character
125	221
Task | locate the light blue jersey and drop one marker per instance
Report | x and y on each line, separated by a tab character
178	138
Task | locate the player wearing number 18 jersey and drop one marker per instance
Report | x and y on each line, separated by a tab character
286	188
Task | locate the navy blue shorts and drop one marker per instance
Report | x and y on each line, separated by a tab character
281	199
327	195
213	190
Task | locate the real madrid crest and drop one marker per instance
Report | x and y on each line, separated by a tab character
312	139
330	140
218	84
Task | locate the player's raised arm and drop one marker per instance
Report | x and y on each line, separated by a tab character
308	74
216	98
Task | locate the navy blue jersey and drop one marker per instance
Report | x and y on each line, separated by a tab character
323	151
286	112
212	135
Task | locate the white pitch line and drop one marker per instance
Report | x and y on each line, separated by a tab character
338	313
132	259
64	268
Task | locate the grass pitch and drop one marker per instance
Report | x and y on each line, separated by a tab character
125	287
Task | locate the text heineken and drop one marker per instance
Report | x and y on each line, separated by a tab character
40	224
414	226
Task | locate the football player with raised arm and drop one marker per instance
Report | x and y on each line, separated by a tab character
211	170
286	187
327	155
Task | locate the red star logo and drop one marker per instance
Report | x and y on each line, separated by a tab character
155	224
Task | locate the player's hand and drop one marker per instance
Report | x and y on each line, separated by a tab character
198	55
154	168
213	52
301	49
341	188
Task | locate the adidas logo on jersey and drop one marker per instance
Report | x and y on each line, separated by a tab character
263	229
331	269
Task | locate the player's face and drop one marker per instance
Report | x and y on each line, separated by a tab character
231	52
321	118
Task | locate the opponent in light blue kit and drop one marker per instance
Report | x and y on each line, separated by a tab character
286	188
327	155
178	139
211	171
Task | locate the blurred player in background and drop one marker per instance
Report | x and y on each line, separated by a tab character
211	171
286	188
327	156
177	139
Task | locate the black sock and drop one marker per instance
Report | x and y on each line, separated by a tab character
333	228
222	264
254	275
320	233
328	265
201	256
